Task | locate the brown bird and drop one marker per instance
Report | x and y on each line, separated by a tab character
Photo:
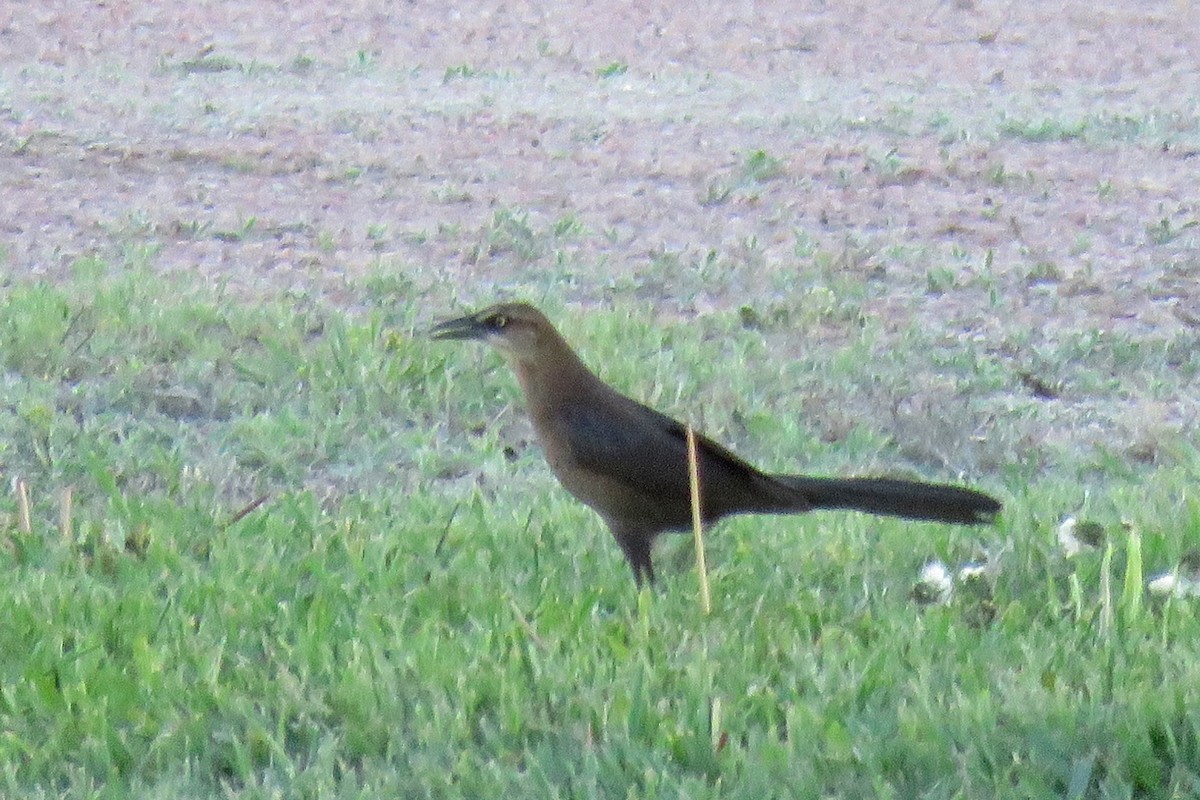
629	462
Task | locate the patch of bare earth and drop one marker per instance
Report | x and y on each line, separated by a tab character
1040	160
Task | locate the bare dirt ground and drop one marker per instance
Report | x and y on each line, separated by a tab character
1003	170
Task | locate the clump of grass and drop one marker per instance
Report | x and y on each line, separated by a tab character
510	232
1165	231
757	167
459	72
612	69
760	166
1043	130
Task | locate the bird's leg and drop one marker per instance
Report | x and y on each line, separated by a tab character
636	546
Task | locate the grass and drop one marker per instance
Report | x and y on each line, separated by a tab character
413	608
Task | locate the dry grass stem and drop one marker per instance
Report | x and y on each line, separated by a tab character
697	520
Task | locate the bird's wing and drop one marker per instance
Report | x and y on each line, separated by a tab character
646	449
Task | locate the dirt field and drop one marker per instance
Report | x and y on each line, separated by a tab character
994	170
1064	139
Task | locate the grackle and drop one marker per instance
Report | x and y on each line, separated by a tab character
629	462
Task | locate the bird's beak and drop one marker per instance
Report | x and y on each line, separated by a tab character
467	327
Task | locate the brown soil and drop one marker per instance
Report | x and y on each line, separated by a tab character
299	166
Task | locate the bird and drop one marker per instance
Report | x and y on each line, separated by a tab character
628	462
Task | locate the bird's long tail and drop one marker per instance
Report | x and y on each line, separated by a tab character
895	497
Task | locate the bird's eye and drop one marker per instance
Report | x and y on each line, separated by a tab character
499	321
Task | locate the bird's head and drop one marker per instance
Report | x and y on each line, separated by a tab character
517	330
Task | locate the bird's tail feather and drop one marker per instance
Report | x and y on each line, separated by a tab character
896	497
